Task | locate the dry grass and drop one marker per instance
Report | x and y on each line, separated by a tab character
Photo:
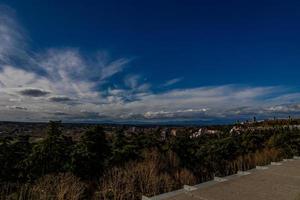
259	158
60	187
6	189
156	175
49	187
142	178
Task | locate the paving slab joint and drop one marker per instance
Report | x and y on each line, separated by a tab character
276	163
243	173
219	179
189	188
288	159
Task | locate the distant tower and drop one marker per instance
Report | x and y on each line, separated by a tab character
254	119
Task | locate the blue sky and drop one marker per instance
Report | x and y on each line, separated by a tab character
149	61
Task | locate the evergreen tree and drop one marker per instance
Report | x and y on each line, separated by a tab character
50	155
90	155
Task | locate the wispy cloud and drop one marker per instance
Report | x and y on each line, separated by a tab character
113	68
12	40
135	83
172	82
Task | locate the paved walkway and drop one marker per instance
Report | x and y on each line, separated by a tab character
274	182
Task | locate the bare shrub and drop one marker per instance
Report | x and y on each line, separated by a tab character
6	189
185	177
249	161
49	187
141	178
60	187
267	156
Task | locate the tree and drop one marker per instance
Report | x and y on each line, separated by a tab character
90	155
50	155
12	152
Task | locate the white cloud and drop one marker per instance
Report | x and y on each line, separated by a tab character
113	68
172	82
133	82
13	45
203	102
175	114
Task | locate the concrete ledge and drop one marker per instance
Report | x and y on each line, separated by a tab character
219	179
276	163
297	157
205	184
189	188
243	173
166	195
288	159
145	198
262	167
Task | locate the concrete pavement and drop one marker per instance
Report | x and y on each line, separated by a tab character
279	181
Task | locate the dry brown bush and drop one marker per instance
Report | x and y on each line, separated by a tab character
142	178
158	174
60	187
6	189
49	187
249	161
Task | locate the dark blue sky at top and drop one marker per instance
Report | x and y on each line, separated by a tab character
207	42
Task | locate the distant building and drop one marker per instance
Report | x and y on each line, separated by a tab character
163	135
174	132
236	129
204	131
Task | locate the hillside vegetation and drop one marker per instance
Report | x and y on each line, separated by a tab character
121	165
